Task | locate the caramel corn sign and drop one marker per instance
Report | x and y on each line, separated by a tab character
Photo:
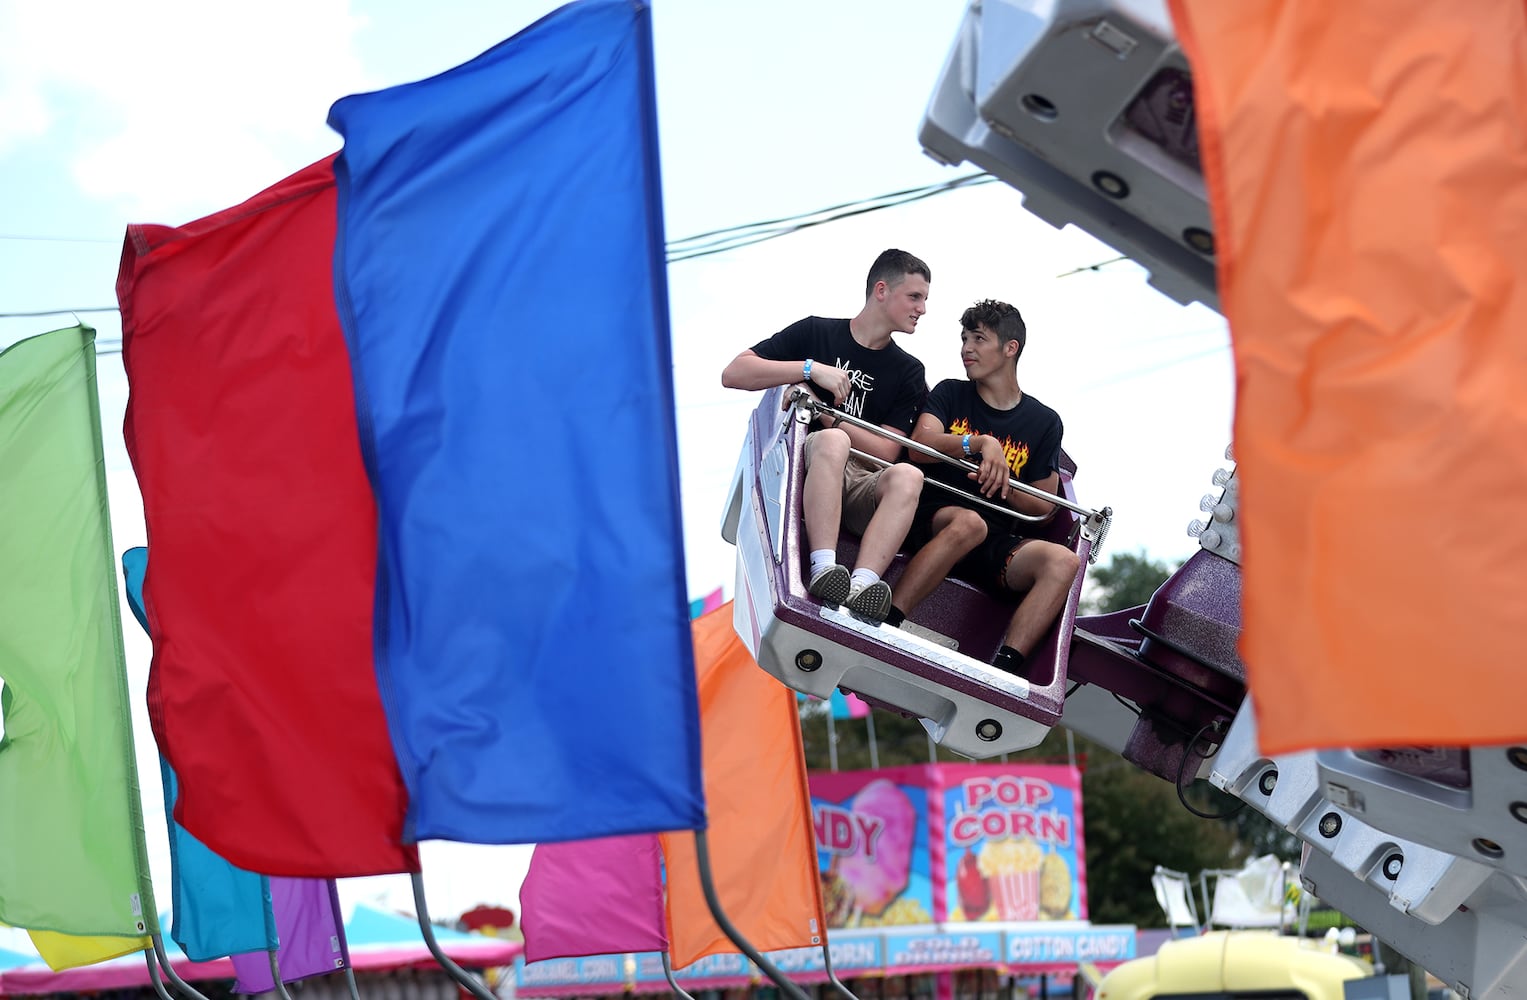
1013	848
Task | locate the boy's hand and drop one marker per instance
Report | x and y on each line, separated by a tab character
991	478
834	380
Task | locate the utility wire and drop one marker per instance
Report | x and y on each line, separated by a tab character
1094	267
688	247
55	239
736	237
57	312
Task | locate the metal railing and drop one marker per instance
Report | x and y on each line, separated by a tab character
1095	523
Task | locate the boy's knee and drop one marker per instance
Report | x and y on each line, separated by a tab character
1062	562
903	481
829	444
966	528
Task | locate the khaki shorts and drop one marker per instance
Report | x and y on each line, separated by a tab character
859	481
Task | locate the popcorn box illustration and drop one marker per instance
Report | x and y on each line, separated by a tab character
1011	868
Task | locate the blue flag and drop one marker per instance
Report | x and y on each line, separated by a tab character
500	279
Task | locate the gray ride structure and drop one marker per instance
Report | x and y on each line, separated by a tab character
1086	108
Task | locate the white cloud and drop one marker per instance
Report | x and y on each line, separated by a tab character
174	106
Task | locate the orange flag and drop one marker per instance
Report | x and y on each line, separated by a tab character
1367	169
762	847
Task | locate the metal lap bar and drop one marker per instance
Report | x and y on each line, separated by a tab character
996	508
1096	522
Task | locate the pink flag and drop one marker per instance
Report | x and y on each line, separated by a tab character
593	897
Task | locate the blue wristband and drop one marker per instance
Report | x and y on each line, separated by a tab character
965	443
806	371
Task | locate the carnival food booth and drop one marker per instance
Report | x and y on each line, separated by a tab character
938	880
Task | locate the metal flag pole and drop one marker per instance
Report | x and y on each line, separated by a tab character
272	937
339	925
674	983
702	857
869	727
468	981
153	975
832	739
275	975
169	970
832	977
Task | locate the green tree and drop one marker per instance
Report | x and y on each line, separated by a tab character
1134	822
1126	580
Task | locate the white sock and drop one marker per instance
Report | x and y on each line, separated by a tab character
863	578
821	560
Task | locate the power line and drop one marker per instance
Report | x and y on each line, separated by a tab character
686	248
58	312
55	239
736	237
1094	267
748	233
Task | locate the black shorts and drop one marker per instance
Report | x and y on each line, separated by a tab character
986	564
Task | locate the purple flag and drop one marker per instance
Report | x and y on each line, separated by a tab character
312	935
593	897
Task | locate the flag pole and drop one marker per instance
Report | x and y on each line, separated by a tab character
272	937
153	975
832	977
339	925
668	971
702	857
468	981
169	971
832	740
869	726
275	975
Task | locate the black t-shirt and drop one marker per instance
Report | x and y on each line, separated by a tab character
1030	434
888	384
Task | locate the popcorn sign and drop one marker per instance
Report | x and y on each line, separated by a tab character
950	842
1013	843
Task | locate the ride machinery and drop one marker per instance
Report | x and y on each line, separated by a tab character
1426	847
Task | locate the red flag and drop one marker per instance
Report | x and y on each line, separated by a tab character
242	430
762	842
1367	167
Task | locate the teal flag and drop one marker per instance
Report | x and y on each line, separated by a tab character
72	854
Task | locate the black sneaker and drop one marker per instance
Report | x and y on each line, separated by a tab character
830	585
1008	665
872	602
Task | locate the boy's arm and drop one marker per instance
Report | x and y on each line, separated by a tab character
1026	504
749	371
992	478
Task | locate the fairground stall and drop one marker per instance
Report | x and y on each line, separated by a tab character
938	880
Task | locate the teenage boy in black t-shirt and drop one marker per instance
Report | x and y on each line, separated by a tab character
853	364
987	418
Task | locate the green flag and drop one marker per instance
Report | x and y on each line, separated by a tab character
72	854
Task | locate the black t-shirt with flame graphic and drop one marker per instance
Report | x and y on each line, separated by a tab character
1030	434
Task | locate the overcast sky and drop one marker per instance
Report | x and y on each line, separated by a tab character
166	110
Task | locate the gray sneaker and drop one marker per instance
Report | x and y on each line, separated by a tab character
872	602
830	586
